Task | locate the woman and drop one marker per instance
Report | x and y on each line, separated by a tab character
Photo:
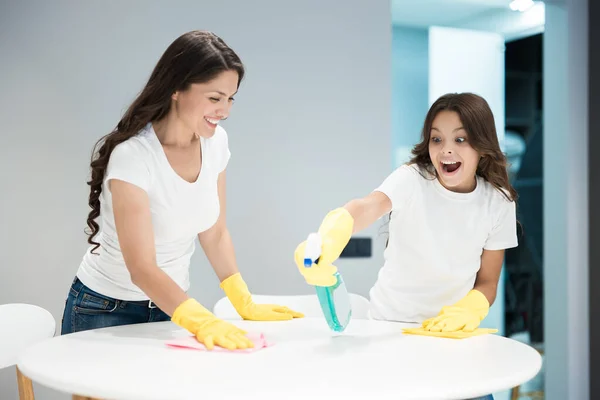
158	180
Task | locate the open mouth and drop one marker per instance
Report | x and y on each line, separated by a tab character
450	167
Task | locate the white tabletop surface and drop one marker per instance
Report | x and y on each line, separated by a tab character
370	360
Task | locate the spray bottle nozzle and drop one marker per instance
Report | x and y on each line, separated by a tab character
312	252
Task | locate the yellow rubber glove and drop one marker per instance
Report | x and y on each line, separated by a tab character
238	294
335	231
458	321
208	329
465	315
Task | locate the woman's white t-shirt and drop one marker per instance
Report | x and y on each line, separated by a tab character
436	239
180	210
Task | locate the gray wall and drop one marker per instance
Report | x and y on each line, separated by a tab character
566	201
312	116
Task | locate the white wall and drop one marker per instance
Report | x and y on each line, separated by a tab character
566	325
463	60
313	115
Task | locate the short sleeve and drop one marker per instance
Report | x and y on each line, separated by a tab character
222	149
399	186
504	231
128	163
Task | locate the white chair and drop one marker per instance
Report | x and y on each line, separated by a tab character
306	304
22	325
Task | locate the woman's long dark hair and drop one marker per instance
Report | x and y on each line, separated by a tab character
478	120
194	57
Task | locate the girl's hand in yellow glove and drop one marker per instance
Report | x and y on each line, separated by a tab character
335	231
465	315
317	275
453	319
238	294
208	329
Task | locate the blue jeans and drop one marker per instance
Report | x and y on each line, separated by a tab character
86	309
488	397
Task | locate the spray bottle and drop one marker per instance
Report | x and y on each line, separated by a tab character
334	300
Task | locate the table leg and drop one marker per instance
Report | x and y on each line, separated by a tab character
515	393
25	386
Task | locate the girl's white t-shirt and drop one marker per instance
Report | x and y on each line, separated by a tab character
180	211
436	239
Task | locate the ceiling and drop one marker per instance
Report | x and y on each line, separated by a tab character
487	15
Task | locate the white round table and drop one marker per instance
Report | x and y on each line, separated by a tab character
370	360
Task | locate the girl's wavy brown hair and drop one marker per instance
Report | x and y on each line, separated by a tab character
478	120
194	57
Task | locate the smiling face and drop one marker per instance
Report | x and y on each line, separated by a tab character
203	105
451	154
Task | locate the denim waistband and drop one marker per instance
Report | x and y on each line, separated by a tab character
77	285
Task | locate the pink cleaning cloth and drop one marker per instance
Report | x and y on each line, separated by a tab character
190	342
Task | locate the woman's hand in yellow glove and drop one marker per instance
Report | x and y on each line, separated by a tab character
465	315
208	329
238	294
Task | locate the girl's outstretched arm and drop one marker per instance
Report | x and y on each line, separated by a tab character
368	209
335	232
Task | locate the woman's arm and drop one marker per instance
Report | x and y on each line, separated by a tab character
218	247
365	211
216	241
133	222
